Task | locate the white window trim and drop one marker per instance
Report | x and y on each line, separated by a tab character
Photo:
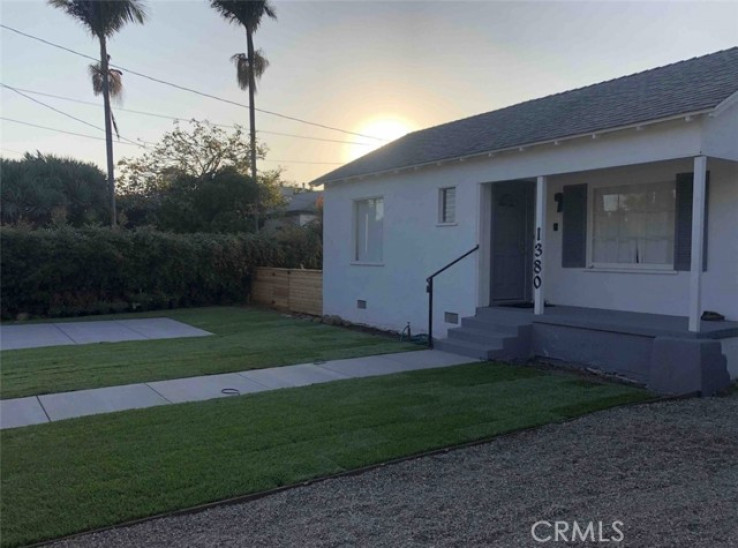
352	252
439	218
616	267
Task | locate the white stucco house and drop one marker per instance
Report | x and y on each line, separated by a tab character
602	226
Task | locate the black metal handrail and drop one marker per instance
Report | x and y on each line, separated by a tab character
429	289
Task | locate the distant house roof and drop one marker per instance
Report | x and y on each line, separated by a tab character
300	201
304	202
682	88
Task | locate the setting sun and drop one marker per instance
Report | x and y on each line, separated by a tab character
385	128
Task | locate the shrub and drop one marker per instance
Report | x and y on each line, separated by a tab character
70	272
45	190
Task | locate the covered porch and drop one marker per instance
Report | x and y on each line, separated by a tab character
655	237
614	270
559	244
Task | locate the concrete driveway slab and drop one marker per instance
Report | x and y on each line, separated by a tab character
162	328
14	337
206	387
21	412
93	332
66	405
297	375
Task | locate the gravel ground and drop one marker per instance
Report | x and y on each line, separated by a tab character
668	472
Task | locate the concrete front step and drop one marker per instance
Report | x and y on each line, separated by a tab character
505	316
466	348
482	324
480	336
493	333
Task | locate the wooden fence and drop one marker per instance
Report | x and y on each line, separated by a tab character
294	290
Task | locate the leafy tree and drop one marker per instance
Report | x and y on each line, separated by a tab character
220	202
249	66
43	190
197	150
103	18
197	179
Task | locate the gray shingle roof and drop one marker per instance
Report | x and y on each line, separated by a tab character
304	202
685	87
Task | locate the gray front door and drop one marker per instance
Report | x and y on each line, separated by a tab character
512	239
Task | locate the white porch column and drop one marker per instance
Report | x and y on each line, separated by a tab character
539	245
698	238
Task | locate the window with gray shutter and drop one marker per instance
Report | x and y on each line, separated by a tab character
683	221
574	236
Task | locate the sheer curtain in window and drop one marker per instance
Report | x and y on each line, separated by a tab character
634	224
369	228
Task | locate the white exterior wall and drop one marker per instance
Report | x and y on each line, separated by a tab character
414	246
720	281
720	132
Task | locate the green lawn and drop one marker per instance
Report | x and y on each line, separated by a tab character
244	338
74	475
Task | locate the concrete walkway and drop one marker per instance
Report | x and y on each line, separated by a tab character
66	405
14	337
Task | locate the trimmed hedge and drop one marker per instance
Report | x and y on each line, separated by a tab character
72	272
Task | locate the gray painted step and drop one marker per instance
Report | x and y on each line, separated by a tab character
493	333
505	315
466	348
489	326
480	336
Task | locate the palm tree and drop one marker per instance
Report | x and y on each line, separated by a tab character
243	68
250	66
103	18
115	86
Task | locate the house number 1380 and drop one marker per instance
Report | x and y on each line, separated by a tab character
538	262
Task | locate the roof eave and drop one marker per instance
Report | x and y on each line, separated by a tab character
590	134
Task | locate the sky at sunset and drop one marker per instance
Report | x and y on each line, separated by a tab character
374	68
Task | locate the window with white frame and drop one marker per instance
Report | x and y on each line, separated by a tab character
447	205
368	229
633	225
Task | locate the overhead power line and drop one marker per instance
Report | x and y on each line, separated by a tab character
183	119
66	113
300	162
30	124
23	122
190	90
